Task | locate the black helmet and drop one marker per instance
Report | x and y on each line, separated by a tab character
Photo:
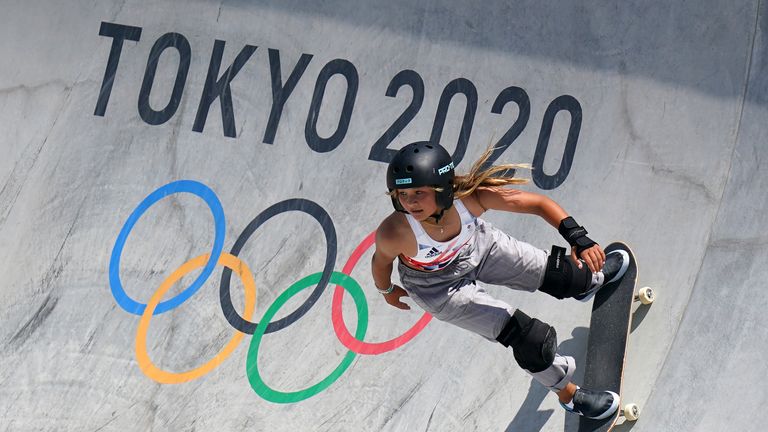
422	164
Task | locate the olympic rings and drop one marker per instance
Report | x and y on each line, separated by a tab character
242	324
326	223
252	367
355	344
161	376
188	186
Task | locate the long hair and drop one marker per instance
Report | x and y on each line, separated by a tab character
483	174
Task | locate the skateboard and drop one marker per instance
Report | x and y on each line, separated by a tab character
608	337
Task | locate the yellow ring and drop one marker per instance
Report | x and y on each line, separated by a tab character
165	377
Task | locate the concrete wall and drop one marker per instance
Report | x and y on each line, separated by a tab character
657	118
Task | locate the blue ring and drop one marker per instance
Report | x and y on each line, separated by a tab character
189	186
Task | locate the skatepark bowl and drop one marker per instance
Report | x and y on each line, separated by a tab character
188	192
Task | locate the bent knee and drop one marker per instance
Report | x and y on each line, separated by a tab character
533	342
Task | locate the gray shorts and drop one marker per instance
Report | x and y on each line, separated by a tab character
452	294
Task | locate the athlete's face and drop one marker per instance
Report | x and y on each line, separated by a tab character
419	202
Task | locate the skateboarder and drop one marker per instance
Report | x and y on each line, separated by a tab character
443	248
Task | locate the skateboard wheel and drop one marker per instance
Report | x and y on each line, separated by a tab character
631	412
646	295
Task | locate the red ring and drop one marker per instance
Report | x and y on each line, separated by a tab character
349	341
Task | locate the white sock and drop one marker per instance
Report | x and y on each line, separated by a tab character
597	279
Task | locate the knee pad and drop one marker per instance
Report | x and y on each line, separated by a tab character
563	278
533	342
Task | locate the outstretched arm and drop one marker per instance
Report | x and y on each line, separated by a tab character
517	201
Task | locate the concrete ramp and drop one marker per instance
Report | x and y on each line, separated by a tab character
172	174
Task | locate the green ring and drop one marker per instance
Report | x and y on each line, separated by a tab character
252	367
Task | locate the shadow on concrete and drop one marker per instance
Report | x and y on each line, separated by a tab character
587	33
529	417
639	315
624	427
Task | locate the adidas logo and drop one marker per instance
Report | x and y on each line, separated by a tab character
433	253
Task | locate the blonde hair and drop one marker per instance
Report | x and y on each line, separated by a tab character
481	175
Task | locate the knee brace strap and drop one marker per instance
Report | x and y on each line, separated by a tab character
533	342
563	278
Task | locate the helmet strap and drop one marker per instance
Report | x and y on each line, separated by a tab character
438	215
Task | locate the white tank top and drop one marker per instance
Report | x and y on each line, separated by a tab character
434	255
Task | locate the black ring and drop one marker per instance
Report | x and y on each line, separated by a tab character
297	204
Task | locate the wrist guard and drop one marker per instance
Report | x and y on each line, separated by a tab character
575	235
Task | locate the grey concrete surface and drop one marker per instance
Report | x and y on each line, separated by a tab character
669	158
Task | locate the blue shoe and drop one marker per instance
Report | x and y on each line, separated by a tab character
596	405
616	264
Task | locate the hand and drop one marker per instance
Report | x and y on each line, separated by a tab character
593	256
393	298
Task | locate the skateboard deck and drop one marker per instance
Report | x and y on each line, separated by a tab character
608	336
